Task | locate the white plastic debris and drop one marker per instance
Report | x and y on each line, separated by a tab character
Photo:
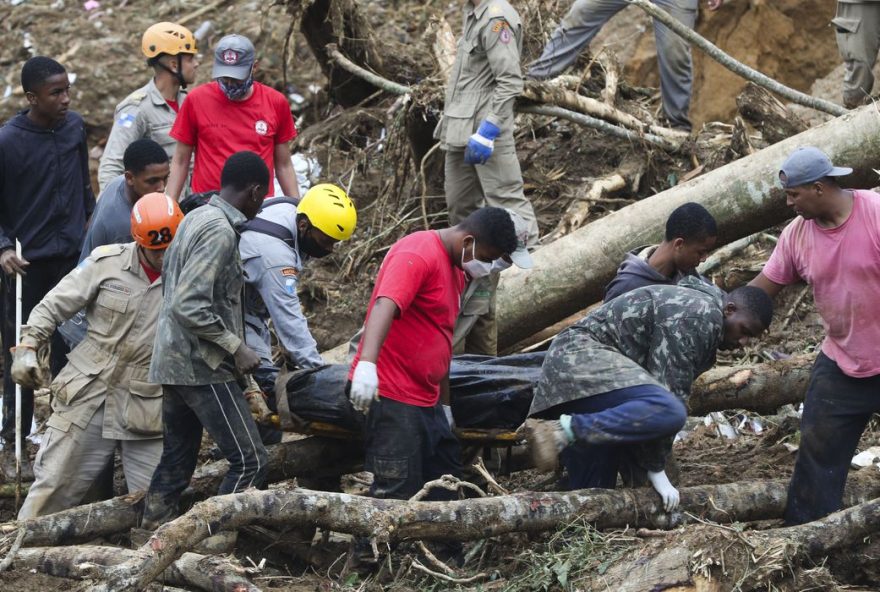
866	458
202	31
308	172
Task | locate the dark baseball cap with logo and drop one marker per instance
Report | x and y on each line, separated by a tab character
233	58
808	164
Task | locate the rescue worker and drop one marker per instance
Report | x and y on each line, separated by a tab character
857	24
832	245
231	114
200	357
102	398
586	18
691	233
274	247
613	385
400	375
476	131
150	111
45	200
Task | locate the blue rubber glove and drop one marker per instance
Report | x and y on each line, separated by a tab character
481	144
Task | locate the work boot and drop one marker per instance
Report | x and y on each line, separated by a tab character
546	440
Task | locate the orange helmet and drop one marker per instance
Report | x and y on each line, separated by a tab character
154	220
169	38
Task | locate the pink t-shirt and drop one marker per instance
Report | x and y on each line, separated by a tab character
843	266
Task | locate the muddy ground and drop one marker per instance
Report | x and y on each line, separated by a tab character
365	148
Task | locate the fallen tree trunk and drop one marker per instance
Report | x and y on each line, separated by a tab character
718	558
210	573
394	520
312	455
572	272
761	387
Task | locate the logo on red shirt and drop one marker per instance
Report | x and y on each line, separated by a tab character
261	127
230	57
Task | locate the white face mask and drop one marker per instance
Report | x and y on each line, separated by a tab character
475	268
500	265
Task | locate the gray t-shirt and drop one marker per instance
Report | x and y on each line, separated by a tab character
111	221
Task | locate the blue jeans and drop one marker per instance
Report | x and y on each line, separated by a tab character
222	410
836	410
624	425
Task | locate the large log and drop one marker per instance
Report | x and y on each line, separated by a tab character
572	272
757	387
208	573
394	520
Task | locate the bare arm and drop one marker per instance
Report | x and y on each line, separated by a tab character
761	281
284	171
377	327
179	170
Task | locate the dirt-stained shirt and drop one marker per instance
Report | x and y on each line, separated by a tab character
110	365
660	335
842	265
200	323
486	76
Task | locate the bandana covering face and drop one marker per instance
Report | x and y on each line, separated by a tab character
238	91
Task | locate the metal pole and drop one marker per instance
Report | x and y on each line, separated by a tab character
18	289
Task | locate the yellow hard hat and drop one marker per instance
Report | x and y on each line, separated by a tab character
169	38
329	210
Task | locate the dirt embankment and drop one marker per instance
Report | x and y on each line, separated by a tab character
789	40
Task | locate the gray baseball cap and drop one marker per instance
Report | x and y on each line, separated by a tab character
233	58
808	164
520	257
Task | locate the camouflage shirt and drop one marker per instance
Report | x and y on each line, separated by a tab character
661	335
200	322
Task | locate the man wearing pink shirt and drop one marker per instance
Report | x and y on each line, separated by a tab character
833	245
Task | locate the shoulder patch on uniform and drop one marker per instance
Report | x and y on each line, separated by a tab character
290	286
126	120
289	271
502	27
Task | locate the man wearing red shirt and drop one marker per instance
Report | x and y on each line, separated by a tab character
401	370
231	114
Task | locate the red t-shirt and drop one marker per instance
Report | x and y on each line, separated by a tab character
218	128
173	105
152	274
425	285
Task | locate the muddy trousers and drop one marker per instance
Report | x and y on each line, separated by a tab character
587	17
468	188
69	462
222	410
626	426
837	408
41	277
407	446
857	25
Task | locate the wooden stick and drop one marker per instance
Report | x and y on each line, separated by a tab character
734	65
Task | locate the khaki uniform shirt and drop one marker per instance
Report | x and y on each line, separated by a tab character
486	77
110	365
200	322
142	114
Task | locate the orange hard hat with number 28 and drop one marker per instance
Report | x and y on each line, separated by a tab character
154	220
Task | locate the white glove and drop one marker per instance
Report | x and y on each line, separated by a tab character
447	411
668	493
364	386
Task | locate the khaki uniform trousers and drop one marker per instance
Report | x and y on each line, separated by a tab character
858	39
468	188
69	462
